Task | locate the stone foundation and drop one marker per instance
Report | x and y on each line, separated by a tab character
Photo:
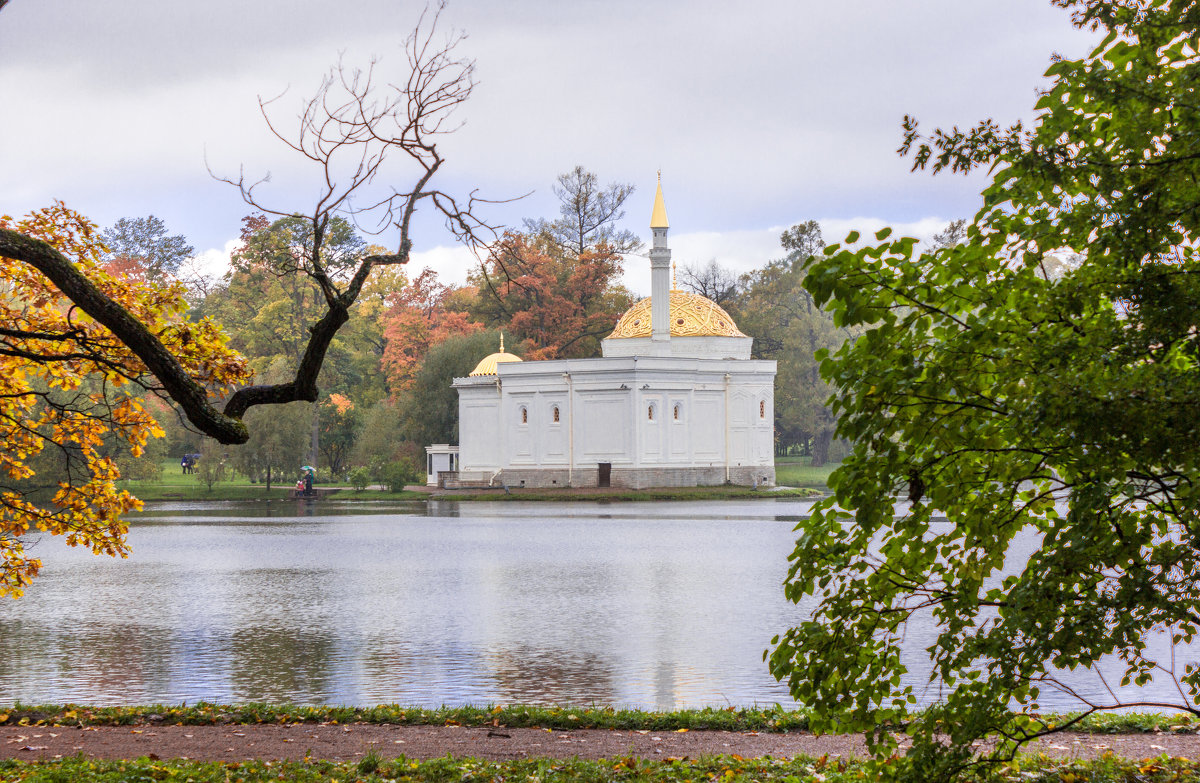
640	478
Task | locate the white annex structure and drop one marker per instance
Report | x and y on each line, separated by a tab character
440	458
675	400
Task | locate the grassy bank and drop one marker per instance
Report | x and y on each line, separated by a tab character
150	492
373	767
517	716
729	769
799	472
797	480
157	492
204	713
172	484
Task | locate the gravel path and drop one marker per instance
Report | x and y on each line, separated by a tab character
351	742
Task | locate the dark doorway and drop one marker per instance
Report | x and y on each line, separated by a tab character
605	474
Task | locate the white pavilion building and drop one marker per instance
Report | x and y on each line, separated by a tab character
675	400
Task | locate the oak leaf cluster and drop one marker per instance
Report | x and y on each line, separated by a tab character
70	389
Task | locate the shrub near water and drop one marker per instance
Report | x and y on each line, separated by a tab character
359	478
395	475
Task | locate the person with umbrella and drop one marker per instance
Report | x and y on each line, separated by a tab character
309	470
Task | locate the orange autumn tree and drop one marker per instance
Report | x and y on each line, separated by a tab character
560	302
68	385
419	318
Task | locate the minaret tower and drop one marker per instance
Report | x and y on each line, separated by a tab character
660	273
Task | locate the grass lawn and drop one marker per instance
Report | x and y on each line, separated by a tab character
797	472
729	769
373	768
766	719
172	484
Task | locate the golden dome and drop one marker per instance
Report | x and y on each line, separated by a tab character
692	315
487	365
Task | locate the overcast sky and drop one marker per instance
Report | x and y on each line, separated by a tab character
759	114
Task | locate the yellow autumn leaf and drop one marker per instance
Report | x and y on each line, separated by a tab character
63	349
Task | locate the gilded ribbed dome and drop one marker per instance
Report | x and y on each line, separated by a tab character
692	315
487	365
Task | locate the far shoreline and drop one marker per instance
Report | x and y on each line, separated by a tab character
148	493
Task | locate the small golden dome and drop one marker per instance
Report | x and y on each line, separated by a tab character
487	365
692	315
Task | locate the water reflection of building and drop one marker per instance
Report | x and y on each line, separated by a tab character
675	400
282	664
540	675
115	663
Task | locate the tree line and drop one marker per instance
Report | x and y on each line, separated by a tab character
552	288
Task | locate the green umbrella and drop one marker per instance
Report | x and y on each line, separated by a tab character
309	468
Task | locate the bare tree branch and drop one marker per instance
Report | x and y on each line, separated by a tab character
349	130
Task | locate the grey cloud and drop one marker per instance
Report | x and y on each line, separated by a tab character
759	114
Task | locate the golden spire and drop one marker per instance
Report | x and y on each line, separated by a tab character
658	217
502	342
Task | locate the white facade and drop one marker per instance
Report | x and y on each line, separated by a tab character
439	458
644	421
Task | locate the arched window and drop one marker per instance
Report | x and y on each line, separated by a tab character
555	414
676	411
762	409
524	415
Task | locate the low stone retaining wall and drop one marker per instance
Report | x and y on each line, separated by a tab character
641	478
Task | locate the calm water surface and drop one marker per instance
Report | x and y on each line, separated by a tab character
650	604
656	605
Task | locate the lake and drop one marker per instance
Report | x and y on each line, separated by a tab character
658	605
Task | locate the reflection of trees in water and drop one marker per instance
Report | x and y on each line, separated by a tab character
117	659
281	664
105	663
420	668
23	648
389	668
551	676
444	508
